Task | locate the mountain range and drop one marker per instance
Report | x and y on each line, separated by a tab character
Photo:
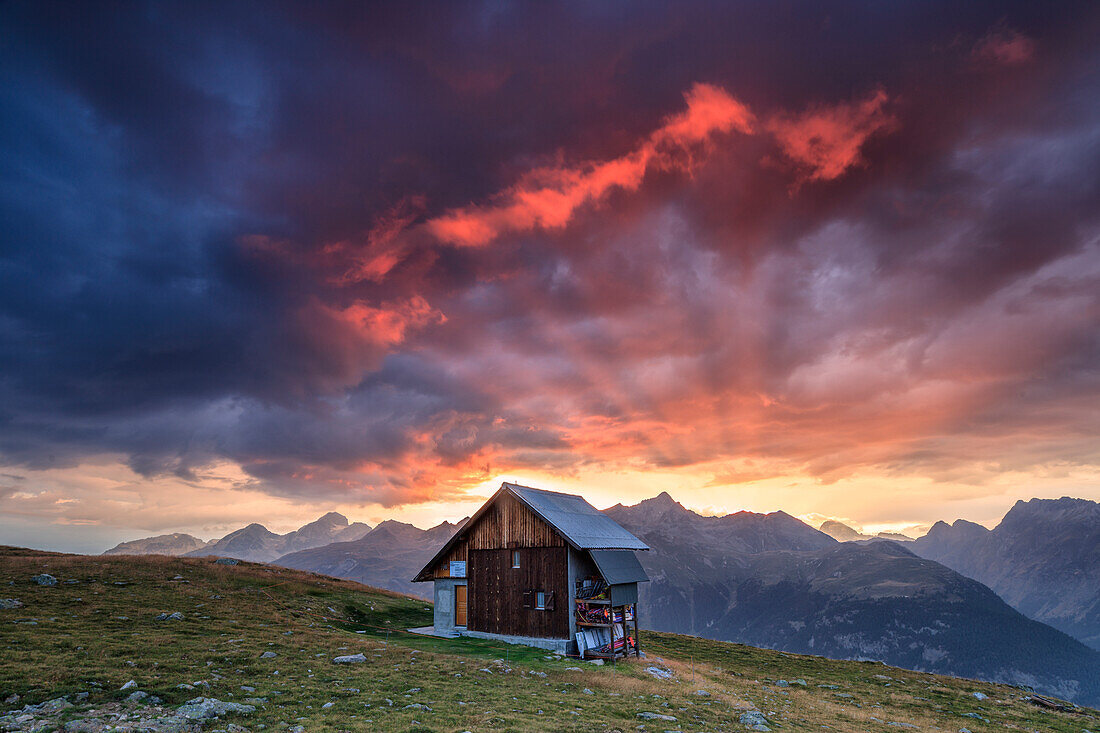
843	533
770	580
1043	559
387	557
255	542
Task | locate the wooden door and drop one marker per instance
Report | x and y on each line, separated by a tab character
460	605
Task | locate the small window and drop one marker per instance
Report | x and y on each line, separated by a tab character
515	558
540	600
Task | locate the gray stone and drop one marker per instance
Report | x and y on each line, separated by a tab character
204	708
137	696
10	603
327	705
656	716
659	672
129	685
176	616
418	706
350	659
979	695
226	561
782	683
45	579
53	706
702	693
268	655
753	719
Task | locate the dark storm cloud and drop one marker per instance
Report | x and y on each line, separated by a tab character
194	197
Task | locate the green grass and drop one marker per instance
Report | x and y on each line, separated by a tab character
235	613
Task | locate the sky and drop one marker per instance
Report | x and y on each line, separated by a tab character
259	261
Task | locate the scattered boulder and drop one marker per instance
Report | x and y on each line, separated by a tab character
204	708
979	695
350	659
227	561
129	685
45	579
137	696
702	693
268	655
659	672
177	616
754	720
10	603
656	716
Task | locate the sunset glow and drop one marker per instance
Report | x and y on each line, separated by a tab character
842	267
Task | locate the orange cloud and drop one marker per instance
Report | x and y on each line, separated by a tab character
386	325
824	142
548	197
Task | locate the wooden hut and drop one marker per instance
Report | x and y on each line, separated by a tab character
540	568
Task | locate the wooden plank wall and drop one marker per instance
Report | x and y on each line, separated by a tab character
442	568
496	591
508	523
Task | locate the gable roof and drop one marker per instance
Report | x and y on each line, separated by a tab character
579	523
582	525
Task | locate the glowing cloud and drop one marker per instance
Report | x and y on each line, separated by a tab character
548	197
824	142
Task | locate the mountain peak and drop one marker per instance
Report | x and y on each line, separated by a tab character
662	501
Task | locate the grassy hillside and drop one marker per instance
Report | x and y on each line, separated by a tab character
96	630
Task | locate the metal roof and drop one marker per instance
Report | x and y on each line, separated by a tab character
584	526
619	566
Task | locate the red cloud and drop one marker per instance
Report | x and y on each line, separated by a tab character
548	197
1004	47
824	142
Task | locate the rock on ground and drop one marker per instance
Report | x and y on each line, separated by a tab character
350	659
660	672
10	603
45	579
201	708
754	720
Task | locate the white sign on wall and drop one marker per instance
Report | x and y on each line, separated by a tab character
458	568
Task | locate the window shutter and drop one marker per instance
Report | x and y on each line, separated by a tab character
528	599
550	600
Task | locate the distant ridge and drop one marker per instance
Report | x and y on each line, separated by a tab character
770	580
1043	559
164	544
253	542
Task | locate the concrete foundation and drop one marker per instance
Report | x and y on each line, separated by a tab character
444	616
560	646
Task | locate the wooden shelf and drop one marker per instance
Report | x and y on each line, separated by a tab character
604	601
587	623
